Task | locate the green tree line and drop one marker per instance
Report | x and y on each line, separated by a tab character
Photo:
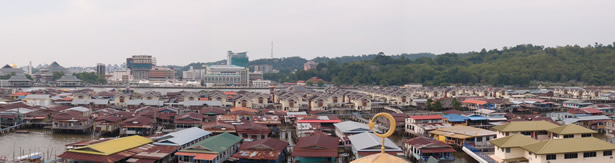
520	65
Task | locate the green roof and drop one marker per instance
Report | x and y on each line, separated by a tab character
525	126
555	146
214	144
571	129
515	140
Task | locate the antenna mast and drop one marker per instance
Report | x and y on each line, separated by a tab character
271	49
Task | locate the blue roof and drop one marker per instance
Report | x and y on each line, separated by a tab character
477	118
179	138
455	118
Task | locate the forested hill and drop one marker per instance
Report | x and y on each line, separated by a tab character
290	64
521	65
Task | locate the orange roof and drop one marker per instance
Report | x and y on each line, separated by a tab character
205	156
204	99
20	94
243	109
480	102
230	93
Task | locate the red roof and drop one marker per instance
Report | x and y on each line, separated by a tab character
265	149
252	128
423	117
592	110
316	146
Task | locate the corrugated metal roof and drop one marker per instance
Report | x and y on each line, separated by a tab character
182	137
113	146
370	142
214	144
352	127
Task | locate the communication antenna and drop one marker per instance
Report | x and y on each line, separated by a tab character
271	49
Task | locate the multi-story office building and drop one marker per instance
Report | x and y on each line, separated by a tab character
238	59
193	74
161	73
226	75
140	65
266	68
100	69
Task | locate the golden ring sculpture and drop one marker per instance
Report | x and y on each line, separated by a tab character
392	125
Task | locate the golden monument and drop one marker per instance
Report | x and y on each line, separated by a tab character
382	156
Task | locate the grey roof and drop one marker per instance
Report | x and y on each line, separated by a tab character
35	96
145	102
88	101
369	142
18	78
182	137
352	127
201	103
585	118
68	78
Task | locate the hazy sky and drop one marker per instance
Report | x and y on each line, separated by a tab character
83	33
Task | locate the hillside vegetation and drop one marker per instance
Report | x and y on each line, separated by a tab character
521	65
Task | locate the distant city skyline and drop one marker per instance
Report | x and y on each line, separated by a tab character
84	33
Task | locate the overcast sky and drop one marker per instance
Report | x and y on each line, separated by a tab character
83	33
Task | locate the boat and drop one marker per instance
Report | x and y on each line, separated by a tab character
32	157
22	131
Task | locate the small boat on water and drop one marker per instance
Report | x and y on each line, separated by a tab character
32	157
22	131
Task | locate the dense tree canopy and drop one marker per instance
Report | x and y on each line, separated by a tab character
521	65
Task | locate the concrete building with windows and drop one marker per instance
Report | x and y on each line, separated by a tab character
238	59
161	73
101	69
193	74
140	65
226	75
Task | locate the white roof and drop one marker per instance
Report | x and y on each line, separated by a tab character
79	109
369	142
351	127
35	96
296	113
182	137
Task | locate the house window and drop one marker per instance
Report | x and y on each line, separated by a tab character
526	133
589	154
541	133
568	136
479	139
586	135
555	135
571	155
607	153
507	150
551	157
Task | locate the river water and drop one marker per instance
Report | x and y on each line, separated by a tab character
38	140
161	90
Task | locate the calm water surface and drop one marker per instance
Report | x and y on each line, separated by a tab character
38	140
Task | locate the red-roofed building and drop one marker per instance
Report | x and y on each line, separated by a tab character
188	120
71	121
269	150
218	127
252	131
316	148
140	125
